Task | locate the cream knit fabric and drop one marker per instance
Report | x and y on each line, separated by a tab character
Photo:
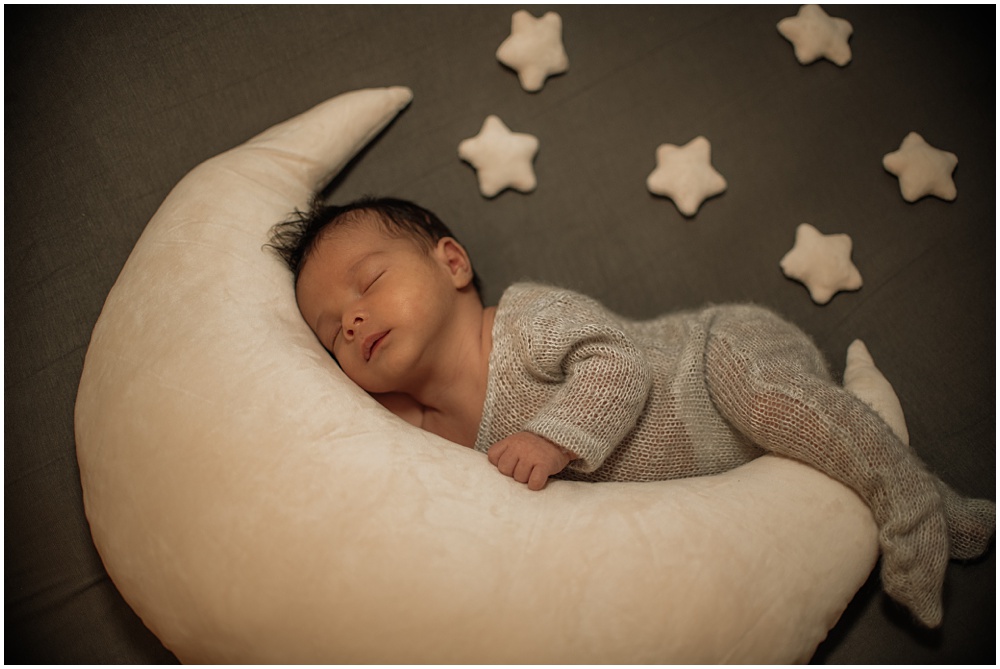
700	392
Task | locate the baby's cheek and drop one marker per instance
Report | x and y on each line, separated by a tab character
349	368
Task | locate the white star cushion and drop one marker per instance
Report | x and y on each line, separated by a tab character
503	159
865	380
922	169
822	263
685	175
534	49
815	35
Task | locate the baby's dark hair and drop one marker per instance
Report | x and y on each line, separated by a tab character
295	238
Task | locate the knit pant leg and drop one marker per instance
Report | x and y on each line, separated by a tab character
768	380
971	523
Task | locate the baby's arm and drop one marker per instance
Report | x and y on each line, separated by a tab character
586	385
529	458
601	380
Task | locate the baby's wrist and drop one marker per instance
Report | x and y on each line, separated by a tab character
570	455
565	452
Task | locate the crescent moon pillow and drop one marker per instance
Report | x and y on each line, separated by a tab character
254	506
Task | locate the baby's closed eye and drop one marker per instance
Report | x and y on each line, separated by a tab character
372	279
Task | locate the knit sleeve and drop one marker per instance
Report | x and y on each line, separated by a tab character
603	378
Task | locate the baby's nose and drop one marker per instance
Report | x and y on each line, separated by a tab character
350	329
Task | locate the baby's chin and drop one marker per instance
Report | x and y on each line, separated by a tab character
361	383
373	388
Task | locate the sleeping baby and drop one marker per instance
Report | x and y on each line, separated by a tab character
551	383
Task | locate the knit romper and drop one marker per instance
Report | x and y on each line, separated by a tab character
703	391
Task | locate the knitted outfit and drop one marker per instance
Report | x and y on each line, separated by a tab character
703	391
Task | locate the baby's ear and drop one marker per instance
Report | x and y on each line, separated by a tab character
455	259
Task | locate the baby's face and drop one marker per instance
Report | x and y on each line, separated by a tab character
379	303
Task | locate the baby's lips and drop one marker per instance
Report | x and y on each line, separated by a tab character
369	343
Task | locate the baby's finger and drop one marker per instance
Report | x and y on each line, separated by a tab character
496	451
522	473
539	477
507	462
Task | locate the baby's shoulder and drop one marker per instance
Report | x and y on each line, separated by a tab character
544	320
529	299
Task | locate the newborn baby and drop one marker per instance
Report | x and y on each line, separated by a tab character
550	383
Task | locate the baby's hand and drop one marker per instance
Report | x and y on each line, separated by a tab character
528	458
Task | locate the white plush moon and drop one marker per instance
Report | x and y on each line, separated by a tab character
253	506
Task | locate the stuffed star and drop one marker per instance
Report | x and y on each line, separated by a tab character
822	263
815	35
685	175
922	169
502	158
534	49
